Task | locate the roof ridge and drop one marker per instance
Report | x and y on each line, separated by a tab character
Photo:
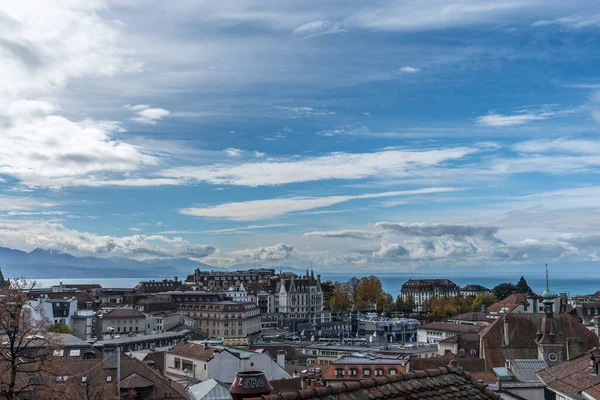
346	387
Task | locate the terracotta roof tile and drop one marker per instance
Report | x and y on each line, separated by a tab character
438	383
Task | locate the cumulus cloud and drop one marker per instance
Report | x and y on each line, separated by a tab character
345	234
408	69
39	56
390	250
31	234
386	163
277	252
147	115
260	209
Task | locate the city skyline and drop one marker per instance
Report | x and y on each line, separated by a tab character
375	138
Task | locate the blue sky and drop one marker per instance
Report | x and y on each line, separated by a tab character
384	135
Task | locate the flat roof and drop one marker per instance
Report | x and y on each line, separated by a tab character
142	338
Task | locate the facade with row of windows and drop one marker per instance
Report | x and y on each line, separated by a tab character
218	316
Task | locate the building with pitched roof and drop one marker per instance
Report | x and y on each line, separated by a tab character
422	290
434	332
439	383
120	321
474	290
576	379
552	337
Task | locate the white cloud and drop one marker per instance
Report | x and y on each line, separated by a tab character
147	115
134	229
262	209
18	203
333	166
390	250
40	54
277	252
345	234
27	235
493	119
302	111
408	69
573	21
233	152
317	28
559	146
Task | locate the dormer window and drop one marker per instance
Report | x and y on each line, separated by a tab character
366	372
393	371
378	371
339	372
353	371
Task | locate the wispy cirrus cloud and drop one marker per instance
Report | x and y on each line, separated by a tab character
262	209
407	69
332	166
572	21
317	28
345	234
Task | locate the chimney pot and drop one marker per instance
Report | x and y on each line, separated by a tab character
250	384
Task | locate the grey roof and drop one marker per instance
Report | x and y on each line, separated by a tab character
209	390
141	338
503	373
525	370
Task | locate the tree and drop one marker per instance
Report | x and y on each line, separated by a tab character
522	286
487	299
399	305
57	327
328	288
369	293
340	298
26	349
410	304
504	290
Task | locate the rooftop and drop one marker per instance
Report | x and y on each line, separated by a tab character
438	383
450	327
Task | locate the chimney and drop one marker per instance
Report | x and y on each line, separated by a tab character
597	326
498	384
281	358
109	354
484	308
506	332
247	384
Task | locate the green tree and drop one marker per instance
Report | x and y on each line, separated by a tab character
410	304
487	299
399	305
504	290
522	286
57	327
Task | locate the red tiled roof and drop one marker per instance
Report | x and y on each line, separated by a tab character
440	383
522	329
193	350
511	302
573	377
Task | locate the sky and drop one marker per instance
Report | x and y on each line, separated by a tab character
349	136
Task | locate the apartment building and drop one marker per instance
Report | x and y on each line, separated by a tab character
218	315
422	290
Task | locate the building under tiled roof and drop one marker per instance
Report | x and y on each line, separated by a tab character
193	350
509	304
440	383
520	341
574	378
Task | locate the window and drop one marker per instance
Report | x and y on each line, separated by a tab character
378	371
339	372
177	364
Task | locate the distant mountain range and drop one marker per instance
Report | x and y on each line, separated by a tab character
44	264
49	264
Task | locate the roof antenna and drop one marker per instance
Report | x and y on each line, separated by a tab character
547	285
